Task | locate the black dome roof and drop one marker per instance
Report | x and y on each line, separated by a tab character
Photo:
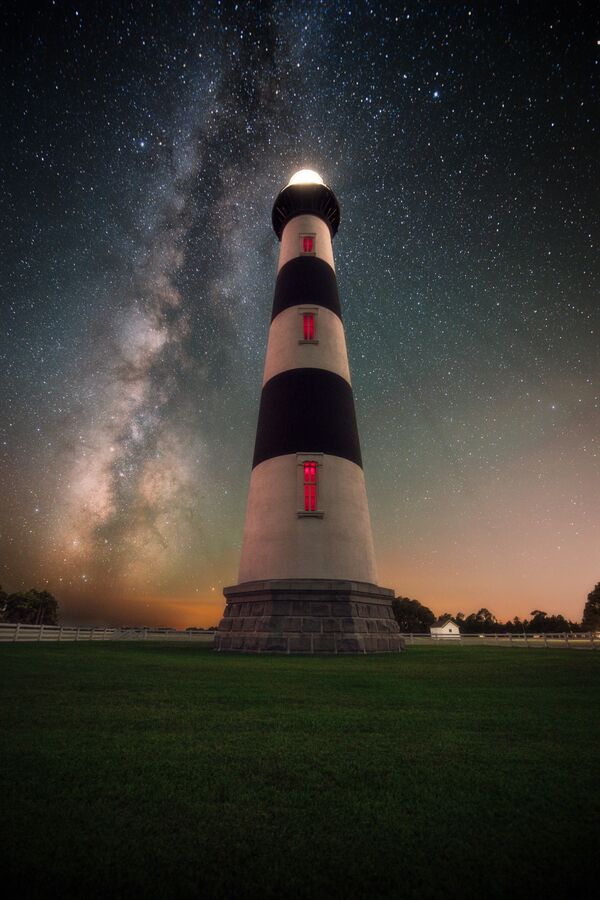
306	199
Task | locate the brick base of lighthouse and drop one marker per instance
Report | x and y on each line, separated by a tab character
308	616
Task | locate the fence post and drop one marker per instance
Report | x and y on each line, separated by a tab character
545	641
104	635
40	633
567	641
60	633
592	640
77	634
16	632
526	641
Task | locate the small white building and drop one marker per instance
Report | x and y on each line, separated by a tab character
445	629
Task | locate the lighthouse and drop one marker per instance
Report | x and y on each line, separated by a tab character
307	579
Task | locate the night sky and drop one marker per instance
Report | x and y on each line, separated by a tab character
143	146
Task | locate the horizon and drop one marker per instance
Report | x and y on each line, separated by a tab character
96	620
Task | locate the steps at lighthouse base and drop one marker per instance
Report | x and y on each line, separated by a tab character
308	616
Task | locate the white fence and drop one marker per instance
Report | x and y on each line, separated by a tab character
551	641
10	633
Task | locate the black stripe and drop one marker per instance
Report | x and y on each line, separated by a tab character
307	410
306	279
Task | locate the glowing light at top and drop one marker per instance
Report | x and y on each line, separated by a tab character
306	176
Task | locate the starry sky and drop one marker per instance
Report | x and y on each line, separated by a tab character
143	146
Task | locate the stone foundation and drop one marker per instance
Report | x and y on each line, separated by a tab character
306	616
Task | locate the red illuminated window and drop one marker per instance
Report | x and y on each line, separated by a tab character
308	320
307	242
310	486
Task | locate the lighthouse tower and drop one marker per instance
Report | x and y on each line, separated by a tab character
307	579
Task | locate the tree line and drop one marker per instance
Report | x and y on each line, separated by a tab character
41	608
414	617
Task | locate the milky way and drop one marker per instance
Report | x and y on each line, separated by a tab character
145	148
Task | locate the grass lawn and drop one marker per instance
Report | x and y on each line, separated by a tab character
161	770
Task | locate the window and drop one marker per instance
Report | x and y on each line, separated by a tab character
307	244
310	486
308	326
308	321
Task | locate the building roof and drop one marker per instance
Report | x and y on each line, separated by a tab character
441	622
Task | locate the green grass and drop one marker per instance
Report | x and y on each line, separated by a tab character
165	771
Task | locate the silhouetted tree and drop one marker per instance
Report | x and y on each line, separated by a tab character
482	621
17	608
544	624
538	621
31	608
412	616
559	623
591	611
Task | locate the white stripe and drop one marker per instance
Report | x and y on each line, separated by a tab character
278	543
291	245
286	348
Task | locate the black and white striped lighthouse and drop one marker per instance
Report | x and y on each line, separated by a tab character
307	579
